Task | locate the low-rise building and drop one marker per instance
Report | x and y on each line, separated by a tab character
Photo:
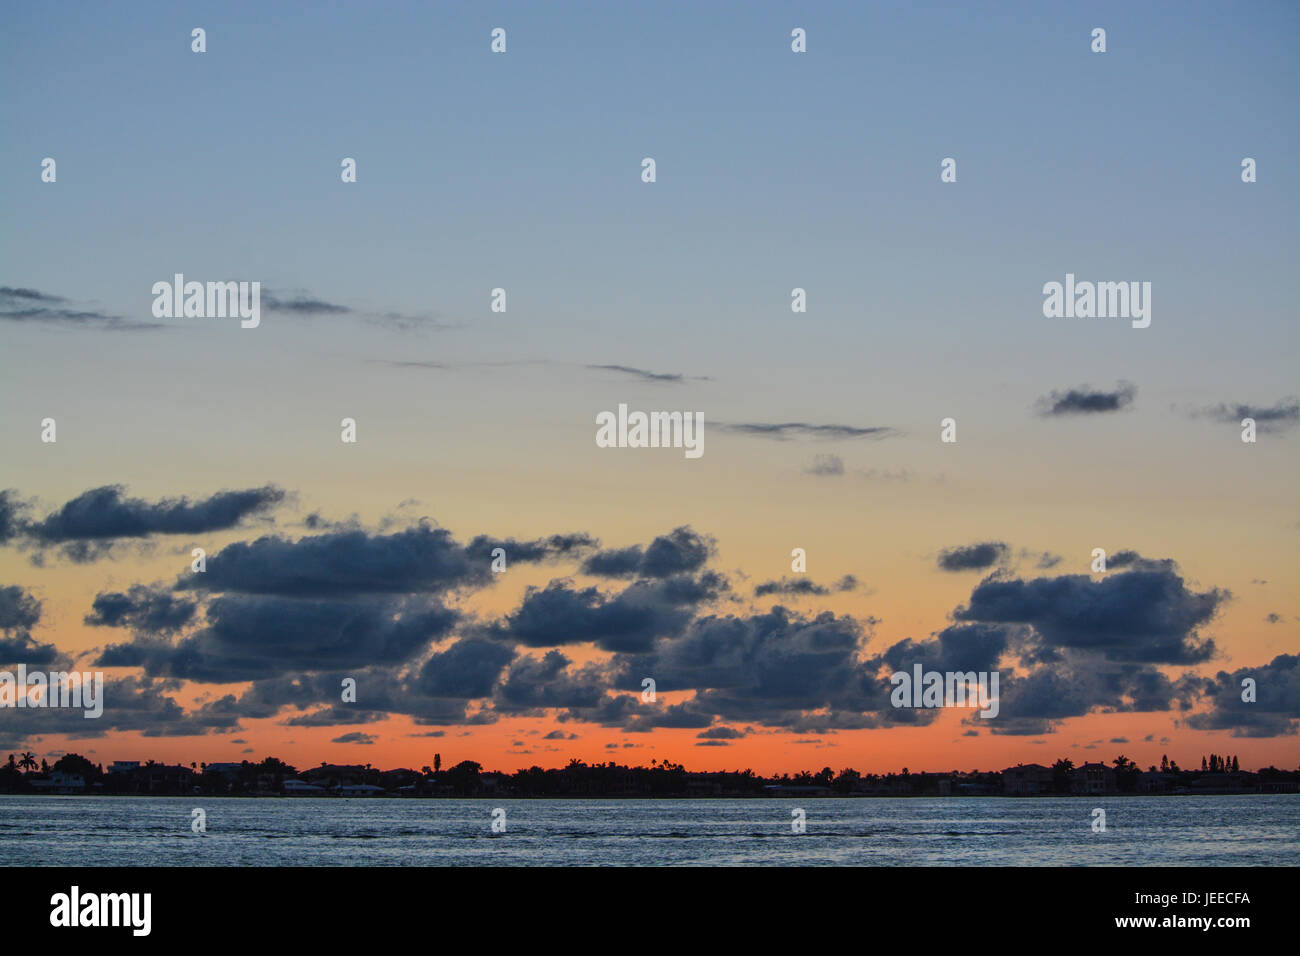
1093	779
1027	780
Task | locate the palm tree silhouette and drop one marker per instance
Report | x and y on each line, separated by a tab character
28	761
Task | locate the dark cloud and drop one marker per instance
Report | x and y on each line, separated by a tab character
336	715
535	683
960	647
769	668
790	586
1036	702
356	737
563	614
104	514
22	648
1275	711
251	637
294	617
469	669
11	510
130	704
1146	614
350	562
973	557
721	733
149	609
1085	400
680	551
19	612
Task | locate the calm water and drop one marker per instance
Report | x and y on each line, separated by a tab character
124	831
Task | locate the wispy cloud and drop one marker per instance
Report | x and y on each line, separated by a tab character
1282	415
42	308
826	466
784	431
303	305
648	376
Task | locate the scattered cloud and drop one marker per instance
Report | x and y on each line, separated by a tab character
1085	400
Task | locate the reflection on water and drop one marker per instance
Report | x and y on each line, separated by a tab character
1251	830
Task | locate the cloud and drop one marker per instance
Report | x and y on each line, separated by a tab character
641	374
468	669
11	511
826	465
19	609
1275	710
790	586
150	609
680	551
1085	400
130	704
356	737
353	562
973	557
532	684
773	668
721	733
342	563
303	304
31	306
1146	614
627	621
84	524
787	430
293	617
19	612
1282	415
553	548
251	637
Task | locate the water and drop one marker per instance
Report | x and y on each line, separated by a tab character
1251	830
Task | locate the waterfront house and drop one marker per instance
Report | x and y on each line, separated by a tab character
1027	780
1093	779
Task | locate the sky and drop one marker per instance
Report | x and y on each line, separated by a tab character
774	170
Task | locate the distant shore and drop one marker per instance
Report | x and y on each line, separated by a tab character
73	775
